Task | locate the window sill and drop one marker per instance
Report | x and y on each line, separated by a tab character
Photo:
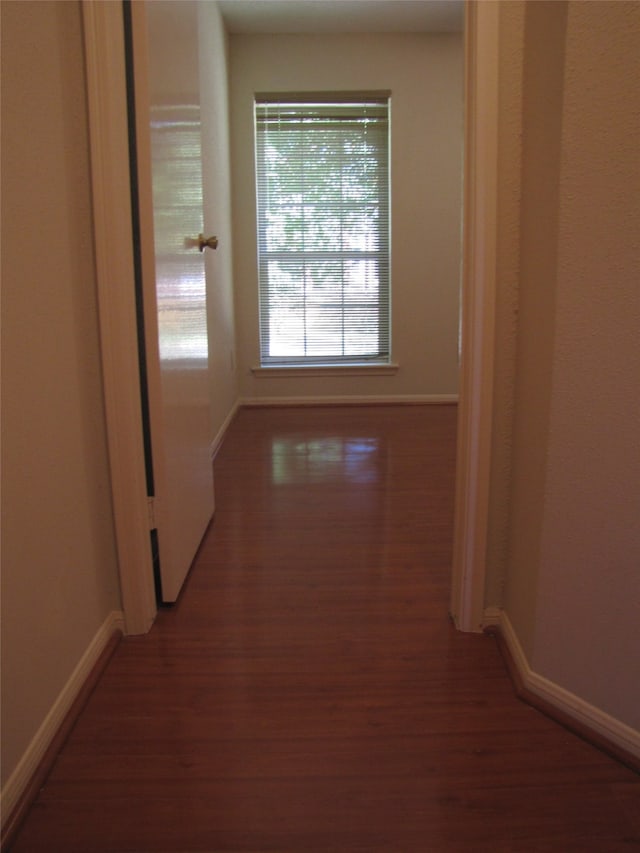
290	371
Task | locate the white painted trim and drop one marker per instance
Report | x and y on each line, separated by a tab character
478	309
17	783
347	400
305	371
107	101
491	616
219	438
583	712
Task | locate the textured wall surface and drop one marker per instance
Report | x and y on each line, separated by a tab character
588	630
572	589
541	126
59	571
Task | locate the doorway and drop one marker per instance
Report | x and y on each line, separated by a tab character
105	51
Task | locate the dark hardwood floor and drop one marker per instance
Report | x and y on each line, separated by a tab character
308	692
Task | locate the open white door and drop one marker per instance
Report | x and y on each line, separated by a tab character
170	192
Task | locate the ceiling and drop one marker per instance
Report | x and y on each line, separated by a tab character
342	16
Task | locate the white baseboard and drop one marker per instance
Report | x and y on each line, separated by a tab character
16	784
491	616
587	715
219	438
352	400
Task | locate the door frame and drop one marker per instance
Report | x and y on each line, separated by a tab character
475	405
108	130
113	243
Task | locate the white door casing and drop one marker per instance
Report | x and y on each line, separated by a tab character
108	132
477	316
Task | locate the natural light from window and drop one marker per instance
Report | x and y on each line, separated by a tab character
323	230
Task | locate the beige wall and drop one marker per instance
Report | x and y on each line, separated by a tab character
541	128
424	73
572	580
216	161
59	572
588	626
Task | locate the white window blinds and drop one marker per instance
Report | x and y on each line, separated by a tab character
323	230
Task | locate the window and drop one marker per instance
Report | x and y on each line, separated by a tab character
323	230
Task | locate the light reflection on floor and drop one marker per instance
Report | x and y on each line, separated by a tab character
353	459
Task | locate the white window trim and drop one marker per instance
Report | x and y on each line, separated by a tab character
300	371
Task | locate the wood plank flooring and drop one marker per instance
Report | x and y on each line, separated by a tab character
308	692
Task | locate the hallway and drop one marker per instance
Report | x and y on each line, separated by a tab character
308	691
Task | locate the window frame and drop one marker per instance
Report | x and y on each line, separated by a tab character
379	104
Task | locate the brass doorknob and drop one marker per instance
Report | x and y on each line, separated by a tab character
208	243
